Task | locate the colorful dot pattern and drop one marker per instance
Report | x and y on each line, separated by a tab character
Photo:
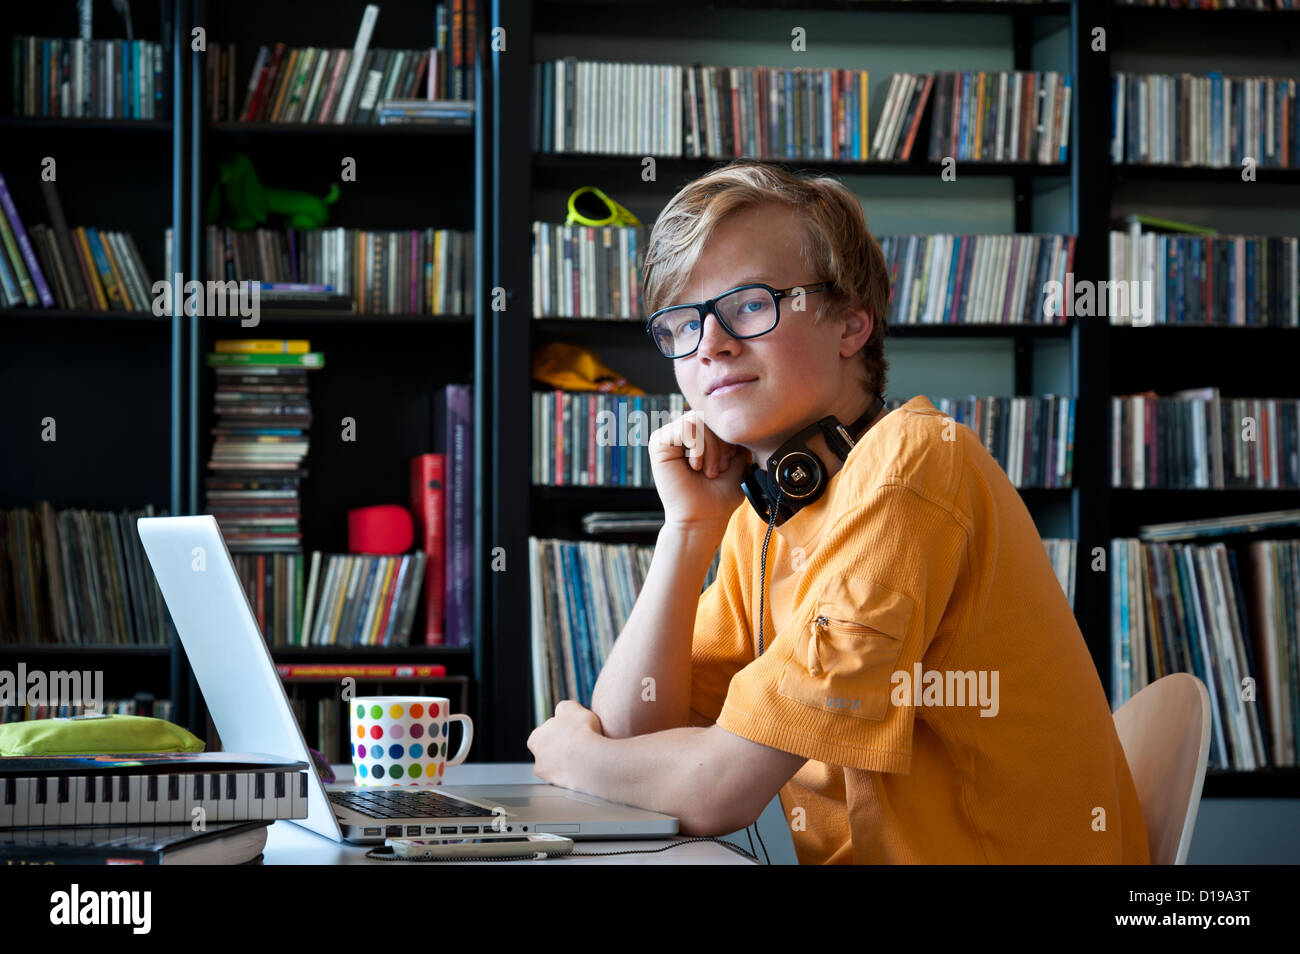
388	758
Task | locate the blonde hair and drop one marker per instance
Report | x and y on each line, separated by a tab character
837	244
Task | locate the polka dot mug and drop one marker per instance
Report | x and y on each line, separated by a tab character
402	740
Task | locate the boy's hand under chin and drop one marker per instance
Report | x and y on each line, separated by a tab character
696	473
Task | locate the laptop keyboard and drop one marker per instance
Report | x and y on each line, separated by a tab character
385	803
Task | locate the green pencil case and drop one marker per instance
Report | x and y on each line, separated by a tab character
96	735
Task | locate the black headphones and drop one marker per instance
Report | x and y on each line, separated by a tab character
795	476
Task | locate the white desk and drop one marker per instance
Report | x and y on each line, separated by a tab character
290	844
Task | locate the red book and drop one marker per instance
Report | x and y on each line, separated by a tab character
338	670
428	499
264	83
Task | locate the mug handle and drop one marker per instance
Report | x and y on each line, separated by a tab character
467	737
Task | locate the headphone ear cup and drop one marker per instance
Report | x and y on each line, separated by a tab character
800	476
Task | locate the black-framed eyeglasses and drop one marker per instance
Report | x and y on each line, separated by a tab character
745	312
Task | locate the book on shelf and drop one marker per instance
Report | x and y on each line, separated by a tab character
429	507
797	113
1008	116
453	419
88	78
423	112
592	272
51	266
78	577
1031	436
595	439
341	85
1259	5
1225	614
901	115
586	271
1196	438
700	110
219	843
1219	526
145	788
408	271
622	521
976	279
1211	121
581	594
1063	555
390	671
263	415
1229	280
333	599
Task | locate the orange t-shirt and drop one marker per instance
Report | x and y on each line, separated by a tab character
919	560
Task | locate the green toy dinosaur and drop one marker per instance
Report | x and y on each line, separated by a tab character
248	204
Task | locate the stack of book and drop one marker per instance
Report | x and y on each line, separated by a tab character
260	441
1031	437
976	279
1213	120
593	439
88	79
78	577
1196	439
424	112
413	271
1226	614
1019	116
145	808
84	268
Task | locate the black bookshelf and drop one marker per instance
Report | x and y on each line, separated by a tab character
522	509
1240	361
382	370
109	378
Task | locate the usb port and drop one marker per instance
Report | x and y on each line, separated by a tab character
371	831
448	830
393	831
431	830
469	829
412	829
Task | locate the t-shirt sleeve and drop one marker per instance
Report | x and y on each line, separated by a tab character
721	644
876	589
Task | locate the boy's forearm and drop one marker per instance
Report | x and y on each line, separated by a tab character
662	771
656	641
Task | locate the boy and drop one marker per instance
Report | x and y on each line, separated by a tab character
886	645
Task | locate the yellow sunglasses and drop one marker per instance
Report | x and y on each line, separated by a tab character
617	214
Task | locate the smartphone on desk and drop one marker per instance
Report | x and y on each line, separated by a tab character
491	845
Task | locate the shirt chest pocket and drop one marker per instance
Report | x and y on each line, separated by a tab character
843	658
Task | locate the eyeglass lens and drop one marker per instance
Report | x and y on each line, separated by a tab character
747	313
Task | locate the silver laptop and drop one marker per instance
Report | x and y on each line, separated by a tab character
251	713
